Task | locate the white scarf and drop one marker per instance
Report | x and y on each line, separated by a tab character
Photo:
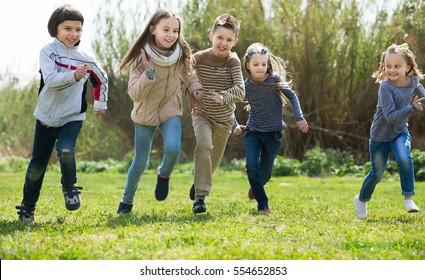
163	60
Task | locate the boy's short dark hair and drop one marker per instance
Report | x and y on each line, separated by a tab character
227	21
64	12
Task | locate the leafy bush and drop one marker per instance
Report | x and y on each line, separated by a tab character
235	164
108	165
314	162
283	166
418	158
319	162
14	164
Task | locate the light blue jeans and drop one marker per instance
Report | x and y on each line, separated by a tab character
379	153
143	136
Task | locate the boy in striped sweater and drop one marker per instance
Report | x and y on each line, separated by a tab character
219	71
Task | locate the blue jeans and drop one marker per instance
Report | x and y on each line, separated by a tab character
45	138
379	153
260	152
143	136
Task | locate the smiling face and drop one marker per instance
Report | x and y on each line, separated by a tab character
257	66
223	40
396	68
166	33
69	32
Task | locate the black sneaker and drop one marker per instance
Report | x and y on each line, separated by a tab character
124	208
162	187
72	197
199	206
192	192
26	214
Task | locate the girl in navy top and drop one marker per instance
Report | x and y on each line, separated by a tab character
267	91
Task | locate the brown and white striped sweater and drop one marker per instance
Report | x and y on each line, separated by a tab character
222	75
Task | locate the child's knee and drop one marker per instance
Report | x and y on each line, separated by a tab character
66	155
202	146
34	173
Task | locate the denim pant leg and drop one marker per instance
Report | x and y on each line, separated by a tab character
269	151
401	150
253	146
379	153
143	136
65	146
171	133
44	142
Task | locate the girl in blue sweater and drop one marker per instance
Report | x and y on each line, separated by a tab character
400	96
267	90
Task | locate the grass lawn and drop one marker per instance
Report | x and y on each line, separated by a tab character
312	218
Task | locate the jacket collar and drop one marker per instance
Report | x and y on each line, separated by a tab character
61	45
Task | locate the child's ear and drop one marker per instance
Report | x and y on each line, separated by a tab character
210	36
235	42
152	29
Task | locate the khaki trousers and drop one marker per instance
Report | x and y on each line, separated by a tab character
211	140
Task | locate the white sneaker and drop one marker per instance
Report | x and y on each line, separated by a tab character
410	206
361	208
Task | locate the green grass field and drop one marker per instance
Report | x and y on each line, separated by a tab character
312	218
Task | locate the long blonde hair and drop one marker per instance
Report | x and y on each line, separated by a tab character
146	37
274	65
408	56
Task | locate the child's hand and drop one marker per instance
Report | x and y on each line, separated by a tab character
99	113
417	102
197	94
239	130
215	96
302	125
80	72
146	61
193	103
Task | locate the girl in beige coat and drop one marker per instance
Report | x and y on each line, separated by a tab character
159	61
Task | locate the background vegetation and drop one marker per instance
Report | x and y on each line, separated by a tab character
331	53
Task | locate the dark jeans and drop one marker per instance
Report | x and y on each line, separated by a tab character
260	151
45	138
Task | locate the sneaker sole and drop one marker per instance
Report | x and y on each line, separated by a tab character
199	210
192	192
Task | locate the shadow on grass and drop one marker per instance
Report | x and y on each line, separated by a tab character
393	220
152	218
9	227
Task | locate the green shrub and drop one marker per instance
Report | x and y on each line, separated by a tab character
319	162
108	165
14	164
184	168
418	158
314	162
341	163
236	164
283	166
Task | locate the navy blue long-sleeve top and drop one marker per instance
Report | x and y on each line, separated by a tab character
266	114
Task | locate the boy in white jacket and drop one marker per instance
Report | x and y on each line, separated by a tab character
61	107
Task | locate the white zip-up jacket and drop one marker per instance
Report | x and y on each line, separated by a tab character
61	98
